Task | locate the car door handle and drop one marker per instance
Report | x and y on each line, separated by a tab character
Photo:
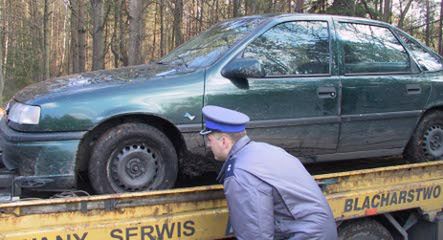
413	89
326	92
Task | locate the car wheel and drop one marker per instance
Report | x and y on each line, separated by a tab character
368	229
426	144
132	157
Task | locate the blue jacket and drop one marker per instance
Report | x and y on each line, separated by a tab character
271	195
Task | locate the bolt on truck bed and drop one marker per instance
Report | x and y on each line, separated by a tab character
201	212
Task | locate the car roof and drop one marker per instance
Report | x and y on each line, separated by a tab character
295	16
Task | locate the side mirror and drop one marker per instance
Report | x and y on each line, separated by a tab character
240	69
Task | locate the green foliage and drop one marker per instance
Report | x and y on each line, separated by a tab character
351	8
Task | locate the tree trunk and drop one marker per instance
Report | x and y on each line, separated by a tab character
428	24
236	8
46	40
162	32
136	10
299	6
78	36
74	36
440	29
217	7
65	49
198	13
403	13
81	29
53	37
387	9
123	29
269	7
380	10
200	19
2	80
6	39
37	44
178	19
214	12
250	7
115	36
368	10
98	41
154	41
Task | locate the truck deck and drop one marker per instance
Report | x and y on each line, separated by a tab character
414	190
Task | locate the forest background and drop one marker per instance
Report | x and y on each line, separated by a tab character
41	39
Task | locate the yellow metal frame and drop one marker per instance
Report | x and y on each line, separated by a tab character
382	190
201	212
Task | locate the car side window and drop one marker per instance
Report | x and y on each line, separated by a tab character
371	49
293	48
428	60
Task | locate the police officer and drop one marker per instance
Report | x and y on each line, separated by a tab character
270	194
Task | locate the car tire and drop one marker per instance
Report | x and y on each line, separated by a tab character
426	144
368	229
132	157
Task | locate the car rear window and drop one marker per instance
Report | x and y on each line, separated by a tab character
426	58
371	49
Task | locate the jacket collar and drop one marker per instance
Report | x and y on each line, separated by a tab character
239	145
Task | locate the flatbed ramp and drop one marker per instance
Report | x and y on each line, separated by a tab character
412	190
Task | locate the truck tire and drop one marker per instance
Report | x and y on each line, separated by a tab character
132	157
426	144
363	229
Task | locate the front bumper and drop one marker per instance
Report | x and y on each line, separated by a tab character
41	160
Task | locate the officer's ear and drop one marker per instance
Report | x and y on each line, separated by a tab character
227	140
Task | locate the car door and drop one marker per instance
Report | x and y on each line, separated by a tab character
383	93
296	105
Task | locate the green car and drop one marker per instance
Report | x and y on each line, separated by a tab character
323	87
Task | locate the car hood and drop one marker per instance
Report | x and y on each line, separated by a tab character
98	79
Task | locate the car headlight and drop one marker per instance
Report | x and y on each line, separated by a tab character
24	114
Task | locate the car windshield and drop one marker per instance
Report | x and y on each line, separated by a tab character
206	48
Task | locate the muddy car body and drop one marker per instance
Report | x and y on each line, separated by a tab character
323	87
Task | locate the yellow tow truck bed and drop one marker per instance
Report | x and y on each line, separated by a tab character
413	190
